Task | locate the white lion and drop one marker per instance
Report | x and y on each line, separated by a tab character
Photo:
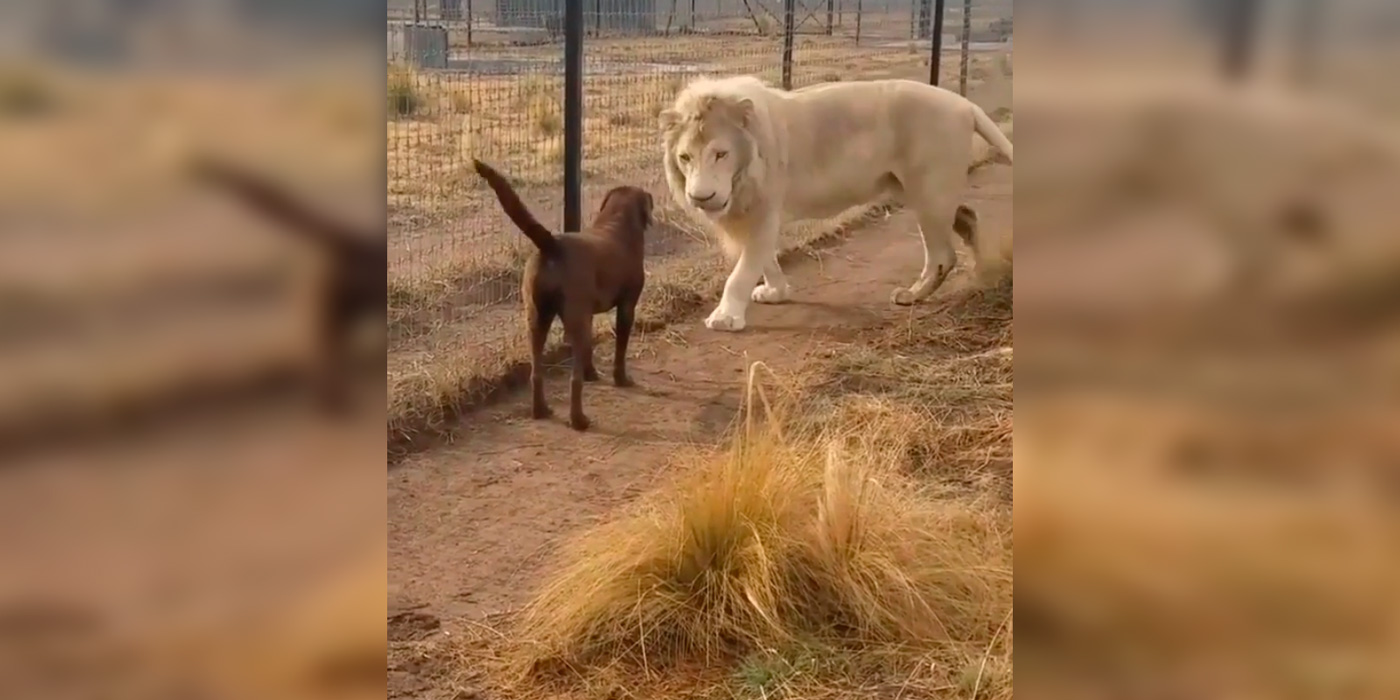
749	157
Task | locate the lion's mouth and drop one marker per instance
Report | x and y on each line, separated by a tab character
711	206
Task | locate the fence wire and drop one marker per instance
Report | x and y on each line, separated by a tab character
485	79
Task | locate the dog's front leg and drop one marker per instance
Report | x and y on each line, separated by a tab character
760	251
626	313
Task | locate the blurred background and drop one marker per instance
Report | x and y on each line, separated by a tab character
176	516
1207	462
1206	467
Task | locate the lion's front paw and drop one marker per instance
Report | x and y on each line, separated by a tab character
768	294
902	297
723	320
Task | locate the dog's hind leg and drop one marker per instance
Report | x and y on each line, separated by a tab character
541	317
336	314
578	327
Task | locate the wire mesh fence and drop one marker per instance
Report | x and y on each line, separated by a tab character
485	79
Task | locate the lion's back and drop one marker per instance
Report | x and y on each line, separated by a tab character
889	102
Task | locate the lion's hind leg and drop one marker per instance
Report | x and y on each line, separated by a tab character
775	288
937	215
965	225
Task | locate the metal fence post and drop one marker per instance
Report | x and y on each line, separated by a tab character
830	10
935	59
1240	20
788	11
1306	30
966	46
573	115
860	10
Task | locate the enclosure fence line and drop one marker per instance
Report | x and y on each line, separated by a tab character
563	98
574	33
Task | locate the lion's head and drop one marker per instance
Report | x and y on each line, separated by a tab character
710	150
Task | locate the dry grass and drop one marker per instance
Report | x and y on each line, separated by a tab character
426	398
429	393
825	553
856	547
325	642
943	379
1266	577
1216	513
793	540
439	121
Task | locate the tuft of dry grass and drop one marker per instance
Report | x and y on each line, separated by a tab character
942	380
403	92
801	558
843	544
851	540
25	91
1138	573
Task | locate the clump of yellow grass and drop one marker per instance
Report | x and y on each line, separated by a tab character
794	537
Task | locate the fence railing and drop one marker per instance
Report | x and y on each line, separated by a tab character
568	109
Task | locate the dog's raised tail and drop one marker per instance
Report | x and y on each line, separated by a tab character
275	201
519	214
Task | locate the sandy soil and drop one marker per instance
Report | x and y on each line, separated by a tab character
471	524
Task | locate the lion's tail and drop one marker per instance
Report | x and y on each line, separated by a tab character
518	212
989	130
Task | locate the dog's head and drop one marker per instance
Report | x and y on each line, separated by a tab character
631	204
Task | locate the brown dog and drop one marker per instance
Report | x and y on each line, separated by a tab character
577	275
354	286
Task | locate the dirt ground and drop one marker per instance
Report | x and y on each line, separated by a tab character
471	524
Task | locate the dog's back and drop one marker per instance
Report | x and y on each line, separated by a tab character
610	251
600	263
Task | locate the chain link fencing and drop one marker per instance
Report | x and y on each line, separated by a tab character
485	79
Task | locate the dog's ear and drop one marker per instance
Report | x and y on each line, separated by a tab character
650	205
606	197
669	119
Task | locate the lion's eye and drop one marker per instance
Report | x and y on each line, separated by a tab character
684	157
719	155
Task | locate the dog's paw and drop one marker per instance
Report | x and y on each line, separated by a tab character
902	297
722	320
540	411
623	381
768	294
578	422
590	374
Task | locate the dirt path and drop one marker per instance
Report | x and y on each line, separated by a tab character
471	524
